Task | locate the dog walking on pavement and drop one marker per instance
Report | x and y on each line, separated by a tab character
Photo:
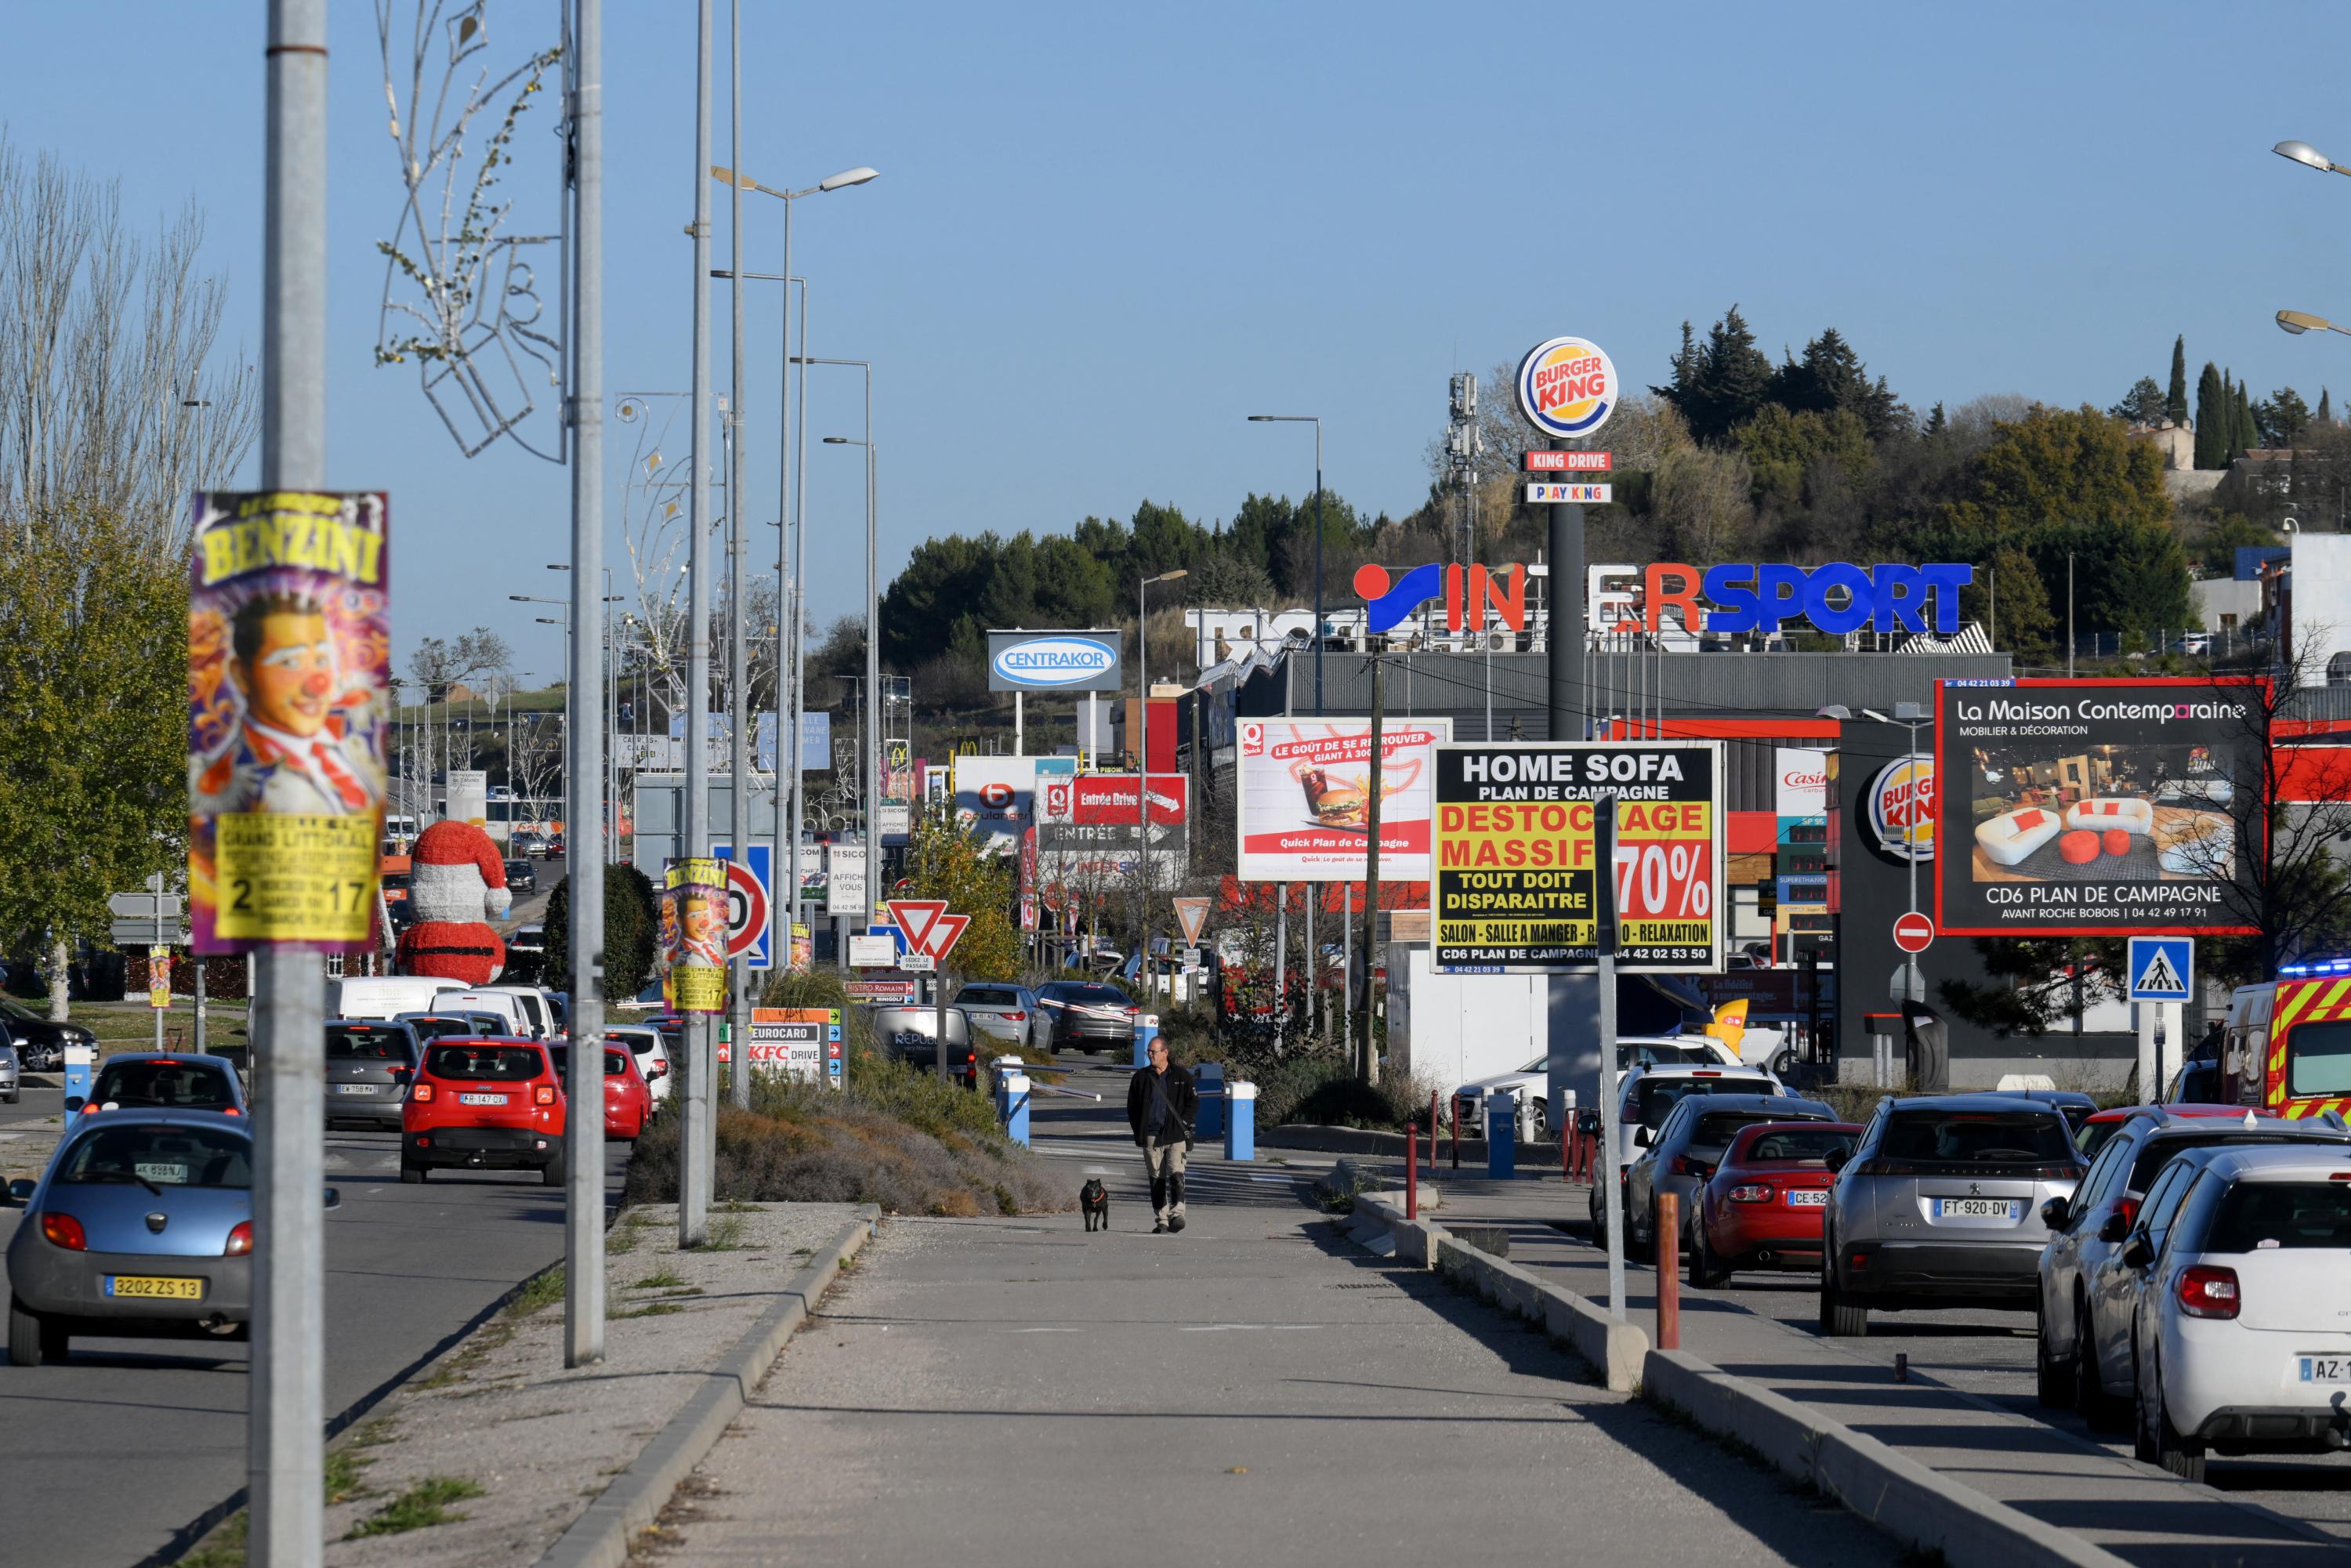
1161	1103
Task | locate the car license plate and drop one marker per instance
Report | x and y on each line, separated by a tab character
1808	1197
155	1286
355	1088
168	1174
2324	1368
1976	1207
481	1099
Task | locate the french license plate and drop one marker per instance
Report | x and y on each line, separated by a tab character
171	1173
1808	1197
155	1286
1976	1207
355	1088
2324	1368
481	1099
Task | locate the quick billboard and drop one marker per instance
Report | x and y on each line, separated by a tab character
2097	807
1304	811
1515	888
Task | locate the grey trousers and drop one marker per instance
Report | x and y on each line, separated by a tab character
1164	1165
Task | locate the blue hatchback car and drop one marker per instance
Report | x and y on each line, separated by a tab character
141	1226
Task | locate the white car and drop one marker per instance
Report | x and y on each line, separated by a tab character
2242	1258
1531	1084
651	1054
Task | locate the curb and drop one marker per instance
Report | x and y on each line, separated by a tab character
1365	1141
599	1538
1917	1506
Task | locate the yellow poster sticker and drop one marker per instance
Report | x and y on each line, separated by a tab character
694	989
159	978
287	878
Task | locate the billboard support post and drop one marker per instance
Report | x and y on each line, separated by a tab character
1370	1071
1603	853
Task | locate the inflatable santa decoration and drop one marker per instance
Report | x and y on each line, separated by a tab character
457	883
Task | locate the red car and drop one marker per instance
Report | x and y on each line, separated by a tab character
1763	1206
484	1104
2092	1135
628	1098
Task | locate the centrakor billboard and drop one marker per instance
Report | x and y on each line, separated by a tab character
1055	661
1304	809
1514	889
2097	807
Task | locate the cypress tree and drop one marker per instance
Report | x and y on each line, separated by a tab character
2326	414
2248	434
2211	419
2175	401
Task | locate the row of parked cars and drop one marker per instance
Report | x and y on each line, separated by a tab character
141	1224
1061	1015
2184	1262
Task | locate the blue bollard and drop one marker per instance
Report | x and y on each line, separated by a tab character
1147	1030
1012	1106
1241	1121
1208	1078
1501	1136
81	1071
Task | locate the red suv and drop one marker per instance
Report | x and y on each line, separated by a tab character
628	1098
484	1104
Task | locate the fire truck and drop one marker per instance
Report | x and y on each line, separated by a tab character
2286	1045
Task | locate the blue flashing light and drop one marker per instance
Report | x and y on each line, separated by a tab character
2318	966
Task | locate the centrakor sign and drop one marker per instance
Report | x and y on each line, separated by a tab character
1054	661
1515	889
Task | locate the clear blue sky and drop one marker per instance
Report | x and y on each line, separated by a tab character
1103	235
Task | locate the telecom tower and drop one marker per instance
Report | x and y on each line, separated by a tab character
1464	445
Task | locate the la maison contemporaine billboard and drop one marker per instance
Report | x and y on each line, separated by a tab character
2097	807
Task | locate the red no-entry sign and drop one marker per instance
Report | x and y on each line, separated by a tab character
1914	932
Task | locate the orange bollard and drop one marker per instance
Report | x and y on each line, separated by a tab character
1433	1125
1412	1171
1670	1271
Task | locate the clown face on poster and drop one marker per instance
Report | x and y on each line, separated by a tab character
289	641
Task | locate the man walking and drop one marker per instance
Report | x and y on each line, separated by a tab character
1161	1103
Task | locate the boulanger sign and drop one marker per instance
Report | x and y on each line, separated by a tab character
1054	661
1567	387
2099	807
1515	889
1837	598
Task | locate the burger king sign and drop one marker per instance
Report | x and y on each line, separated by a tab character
1567	388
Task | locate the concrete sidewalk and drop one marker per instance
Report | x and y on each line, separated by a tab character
1255	1389
2134	1510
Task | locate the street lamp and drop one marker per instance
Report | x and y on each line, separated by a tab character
1142	775
1316	422
2297	322
872	637
2304	152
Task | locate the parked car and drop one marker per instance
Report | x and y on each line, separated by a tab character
521	877
452	1025
1647	1097
11	1075
2237	1339
628	1100
2086	1288
1009	1013
40	1041
912	1035
1680	1157
141	1225
1089	1016
2091	1137
493	1104
2076	1107
1761	1208
153	1080
1940	1205
653	1058
369	1064
1533	1082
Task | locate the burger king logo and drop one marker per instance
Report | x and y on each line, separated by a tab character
1902	807
1567	387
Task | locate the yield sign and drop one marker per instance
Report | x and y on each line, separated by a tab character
1192	914
928	927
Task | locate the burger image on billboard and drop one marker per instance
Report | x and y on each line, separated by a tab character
2097	806
1567	388
1335	803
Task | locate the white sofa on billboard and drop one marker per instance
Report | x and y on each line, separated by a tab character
2012	835
2104	812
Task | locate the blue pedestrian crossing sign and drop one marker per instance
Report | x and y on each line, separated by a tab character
2161	968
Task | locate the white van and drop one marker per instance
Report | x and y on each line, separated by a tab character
504	1003
535	1010
385	996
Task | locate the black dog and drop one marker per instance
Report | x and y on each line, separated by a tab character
1093	1201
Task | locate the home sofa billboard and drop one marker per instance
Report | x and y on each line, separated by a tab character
2097	807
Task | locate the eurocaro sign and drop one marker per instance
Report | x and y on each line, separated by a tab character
1567	387
1902	807
1836	598
1054	661
1468	594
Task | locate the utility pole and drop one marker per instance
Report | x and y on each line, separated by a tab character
1368	1063
1571	998
2069	615
738	645
701	1063
1612	1199
584	844
285	1427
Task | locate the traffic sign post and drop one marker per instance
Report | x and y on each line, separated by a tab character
1914	932
931	934
2161	975
1192	915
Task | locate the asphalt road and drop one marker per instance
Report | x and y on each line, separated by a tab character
33	1107
108	1458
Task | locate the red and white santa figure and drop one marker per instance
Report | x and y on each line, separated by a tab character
457	883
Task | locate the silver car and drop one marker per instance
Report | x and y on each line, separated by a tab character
1940	1205
11	1081
1009	1013
369	1062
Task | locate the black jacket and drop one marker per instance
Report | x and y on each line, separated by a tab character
1182	1105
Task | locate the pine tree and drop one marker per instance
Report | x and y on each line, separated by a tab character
2175	401
2211	419
1937	421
